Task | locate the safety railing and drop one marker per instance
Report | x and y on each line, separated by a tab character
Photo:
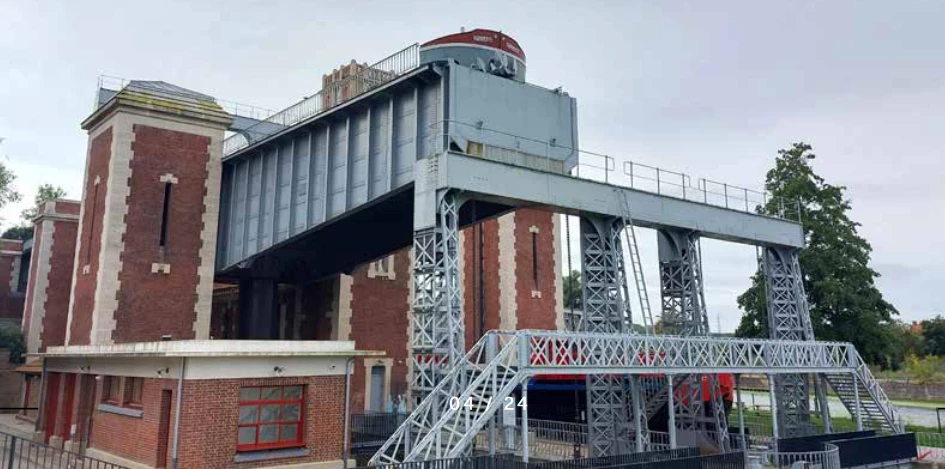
369	78
551	156
370	430
22	453
115	84
567	350
829	458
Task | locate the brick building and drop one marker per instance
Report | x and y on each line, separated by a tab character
151	358
11	281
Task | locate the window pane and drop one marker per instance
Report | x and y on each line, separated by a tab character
290	412
270	413
247	435
269	394
249	413
268	433
289	433
249	394
293	392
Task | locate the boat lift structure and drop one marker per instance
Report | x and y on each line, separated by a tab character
433	129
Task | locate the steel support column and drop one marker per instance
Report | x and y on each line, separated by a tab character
604	312
437	323
684	313
789	319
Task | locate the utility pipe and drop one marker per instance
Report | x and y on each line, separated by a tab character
346	446
180	389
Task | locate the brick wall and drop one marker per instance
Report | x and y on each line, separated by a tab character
143	292
89	244
11	301
379	322
535	301
61	267
31	284
131	437
486	303
211	414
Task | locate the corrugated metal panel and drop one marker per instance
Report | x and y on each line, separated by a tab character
323	169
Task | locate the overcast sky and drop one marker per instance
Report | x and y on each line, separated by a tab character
709	88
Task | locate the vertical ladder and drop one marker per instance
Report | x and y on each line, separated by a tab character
636	265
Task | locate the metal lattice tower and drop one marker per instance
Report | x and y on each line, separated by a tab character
684	313
789	319
438	334
604	312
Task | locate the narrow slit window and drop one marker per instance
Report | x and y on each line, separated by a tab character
88	243
164	214
535	259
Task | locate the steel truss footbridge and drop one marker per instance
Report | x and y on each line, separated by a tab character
396	166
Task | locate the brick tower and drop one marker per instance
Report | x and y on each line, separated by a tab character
148	221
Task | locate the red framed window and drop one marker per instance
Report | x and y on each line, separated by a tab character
270	417
111	390
134	390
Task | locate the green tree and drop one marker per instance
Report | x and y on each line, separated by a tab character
24	231
45	193
572	290
844	301
933	333
11	338
21	232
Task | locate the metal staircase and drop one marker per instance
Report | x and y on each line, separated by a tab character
447	420
860	389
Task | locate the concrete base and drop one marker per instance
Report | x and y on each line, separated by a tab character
39	436
111	458
55	442
72	446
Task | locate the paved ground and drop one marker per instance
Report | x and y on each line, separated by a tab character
10	424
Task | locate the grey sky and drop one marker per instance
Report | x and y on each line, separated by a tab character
709	88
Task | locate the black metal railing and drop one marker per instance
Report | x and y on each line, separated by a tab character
679	458
22	453
620	461
370	431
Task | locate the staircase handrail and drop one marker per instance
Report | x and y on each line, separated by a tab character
414	418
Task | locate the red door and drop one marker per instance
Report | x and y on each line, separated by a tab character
51	406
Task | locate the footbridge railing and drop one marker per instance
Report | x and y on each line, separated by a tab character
467	397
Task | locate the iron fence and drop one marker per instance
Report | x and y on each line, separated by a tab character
829	458
369	431
22	453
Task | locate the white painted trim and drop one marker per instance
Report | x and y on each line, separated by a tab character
210	348
369	363
343	329
42	255
508	319
203	368
557	243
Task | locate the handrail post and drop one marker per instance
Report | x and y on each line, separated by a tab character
491	347
772	390
524	403
671	409
856	395
725	192
657	180
631	174
683	185
11	459
741	413
746	199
